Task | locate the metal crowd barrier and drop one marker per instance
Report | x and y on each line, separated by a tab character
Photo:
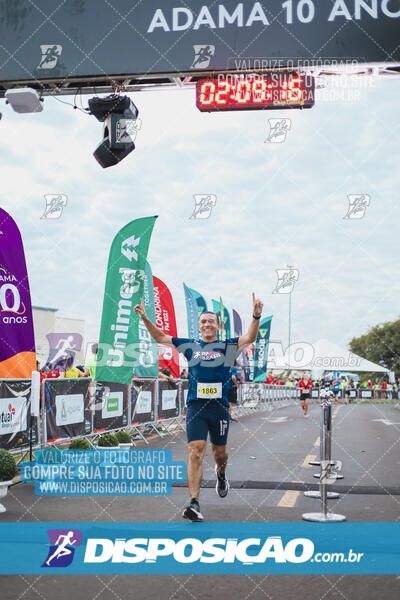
254	397
81	407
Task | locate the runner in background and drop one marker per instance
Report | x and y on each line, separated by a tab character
305	387
336	388
270	379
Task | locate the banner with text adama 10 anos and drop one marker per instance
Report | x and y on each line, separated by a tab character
119	342
17	341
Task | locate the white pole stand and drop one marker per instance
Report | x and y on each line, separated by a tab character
325	477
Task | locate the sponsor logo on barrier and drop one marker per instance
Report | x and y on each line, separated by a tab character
62	547
13	412
143	402
69	409
168	399
112	405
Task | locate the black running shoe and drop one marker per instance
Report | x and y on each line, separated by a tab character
192	512
222	486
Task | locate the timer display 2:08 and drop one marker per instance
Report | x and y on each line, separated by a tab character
268	91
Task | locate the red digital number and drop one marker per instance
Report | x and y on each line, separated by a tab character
291	90
219	100
207	93
259	91
243	92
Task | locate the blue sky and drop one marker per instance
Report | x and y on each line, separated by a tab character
276	204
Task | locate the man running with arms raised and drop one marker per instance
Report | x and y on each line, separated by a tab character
209	362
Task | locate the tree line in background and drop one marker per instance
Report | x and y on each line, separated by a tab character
380	345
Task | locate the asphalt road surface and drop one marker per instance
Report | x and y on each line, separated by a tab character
265	449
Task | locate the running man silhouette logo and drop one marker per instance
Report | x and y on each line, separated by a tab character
55	204
357	206
62	547
203	205
132	127
202	56
50	56
286	280
330	471
62	347
278	129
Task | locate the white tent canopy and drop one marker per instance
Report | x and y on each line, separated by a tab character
319	357
331	357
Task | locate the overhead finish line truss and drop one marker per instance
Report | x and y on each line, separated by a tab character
95	46
188	80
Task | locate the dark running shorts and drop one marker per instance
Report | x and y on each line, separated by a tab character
203	416
304	396
232	396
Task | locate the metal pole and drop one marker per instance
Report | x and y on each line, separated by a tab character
290	324
326	426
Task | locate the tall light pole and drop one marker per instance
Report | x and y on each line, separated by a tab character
290	321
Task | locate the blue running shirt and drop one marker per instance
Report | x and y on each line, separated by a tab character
209	363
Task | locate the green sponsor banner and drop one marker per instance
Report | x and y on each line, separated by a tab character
201	303
217	310
261	350
225	321
146	364
119	330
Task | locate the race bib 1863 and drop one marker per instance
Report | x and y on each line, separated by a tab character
209	390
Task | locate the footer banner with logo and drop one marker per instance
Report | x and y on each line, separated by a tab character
196	548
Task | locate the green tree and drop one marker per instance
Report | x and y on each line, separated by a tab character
380	345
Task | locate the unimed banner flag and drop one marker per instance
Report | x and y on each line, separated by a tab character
192	313
119	331
165	319
261	350
146	361
17	342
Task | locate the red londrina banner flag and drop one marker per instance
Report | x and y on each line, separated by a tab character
124	342
17	341
165	319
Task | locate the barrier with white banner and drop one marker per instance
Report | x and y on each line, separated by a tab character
80	407
111	406
17	426
66	408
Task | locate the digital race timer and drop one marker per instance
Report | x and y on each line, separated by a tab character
248	92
